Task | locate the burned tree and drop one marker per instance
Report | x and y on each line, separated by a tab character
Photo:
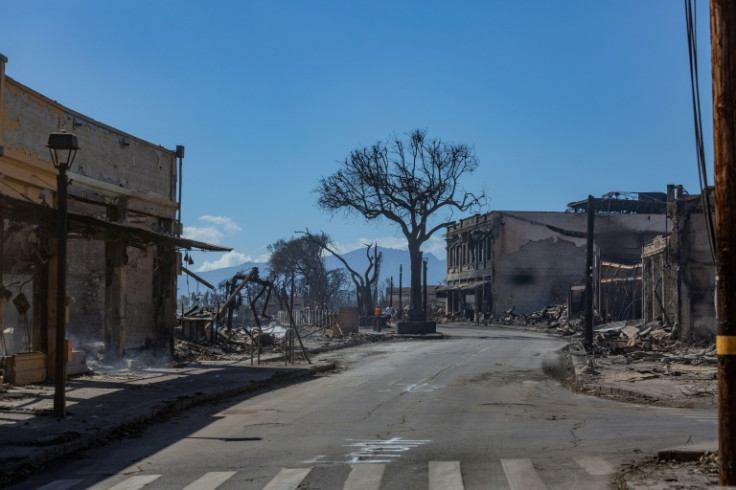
302	257
407	183
364	284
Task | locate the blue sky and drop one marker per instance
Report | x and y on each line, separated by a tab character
559	99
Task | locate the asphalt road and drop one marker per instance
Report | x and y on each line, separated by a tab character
475	410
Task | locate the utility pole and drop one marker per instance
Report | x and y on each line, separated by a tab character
723	47
589	274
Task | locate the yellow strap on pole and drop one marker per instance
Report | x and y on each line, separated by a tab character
726	345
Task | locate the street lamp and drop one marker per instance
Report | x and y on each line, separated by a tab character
63	148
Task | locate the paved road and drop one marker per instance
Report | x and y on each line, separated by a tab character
473	411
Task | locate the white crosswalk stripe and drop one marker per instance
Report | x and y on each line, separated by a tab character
135	482
59	485
365	477
521	475
210	481
288	479
445	475
595	466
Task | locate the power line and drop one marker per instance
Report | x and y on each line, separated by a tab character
692	43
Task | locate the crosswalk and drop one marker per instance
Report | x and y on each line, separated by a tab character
519	474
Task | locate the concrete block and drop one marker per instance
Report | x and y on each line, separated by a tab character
77	364
347	319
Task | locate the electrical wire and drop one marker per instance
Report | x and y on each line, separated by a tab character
691	24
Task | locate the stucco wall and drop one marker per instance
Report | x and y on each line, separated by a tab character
110	165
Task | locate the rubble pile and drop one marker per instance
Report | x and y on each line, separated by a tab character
555	316
652	342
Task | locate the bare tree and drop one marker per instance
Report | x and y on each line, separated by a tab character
303	258
407	183
364	284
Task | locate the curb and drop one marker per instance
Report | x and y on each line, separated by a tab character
330	347
426	336
165	409
687	453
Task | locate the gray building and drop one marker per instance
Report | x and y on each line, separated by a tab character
527	260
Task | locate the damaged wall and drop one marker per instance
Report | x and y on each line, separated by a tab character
679	276
116	179
534	257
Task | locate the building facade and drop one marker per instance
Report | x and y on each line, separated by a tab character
123	231
524	261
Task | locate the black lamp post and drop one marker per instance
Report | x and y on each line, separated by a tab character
63	148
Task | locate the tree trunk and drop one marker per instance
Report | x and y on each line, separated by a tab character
368	300
415	297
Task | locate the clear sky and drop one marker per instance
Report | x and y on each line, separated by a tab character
560	99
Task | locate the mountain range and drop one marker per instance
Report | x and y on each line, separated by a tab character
392	259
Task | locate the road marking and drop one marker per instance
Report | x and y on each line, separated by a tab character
210	480
59	485
315	459
288	479
365	477
595	466
521	475
379	451
421	387
136	482
445	475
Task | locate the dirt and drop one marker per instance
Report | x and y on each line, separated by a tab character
651	474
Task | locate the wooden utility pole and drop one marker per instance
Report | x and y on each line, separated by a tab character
589	274
723	56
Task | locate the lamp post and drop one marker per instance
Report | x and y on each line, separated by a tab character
63	148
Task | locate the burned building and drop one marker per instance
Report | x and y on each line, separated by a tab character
526	260
123	233
678	270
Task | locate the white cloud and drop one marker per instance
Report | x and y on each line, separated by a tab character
207	234
213	230
228	259
262	258
437	246
223	221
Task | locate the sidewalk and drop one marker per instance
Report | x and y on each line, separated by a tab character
691	466
108	404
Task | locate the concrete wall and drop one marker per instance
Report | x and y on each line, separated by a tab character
536	256
679	277
698	278
111	166
115	177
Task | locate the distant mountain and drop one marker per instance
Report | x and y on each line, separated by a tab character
357	259
392	259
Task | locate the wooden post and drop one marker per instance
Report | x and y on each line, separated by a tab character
723	50
589	275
